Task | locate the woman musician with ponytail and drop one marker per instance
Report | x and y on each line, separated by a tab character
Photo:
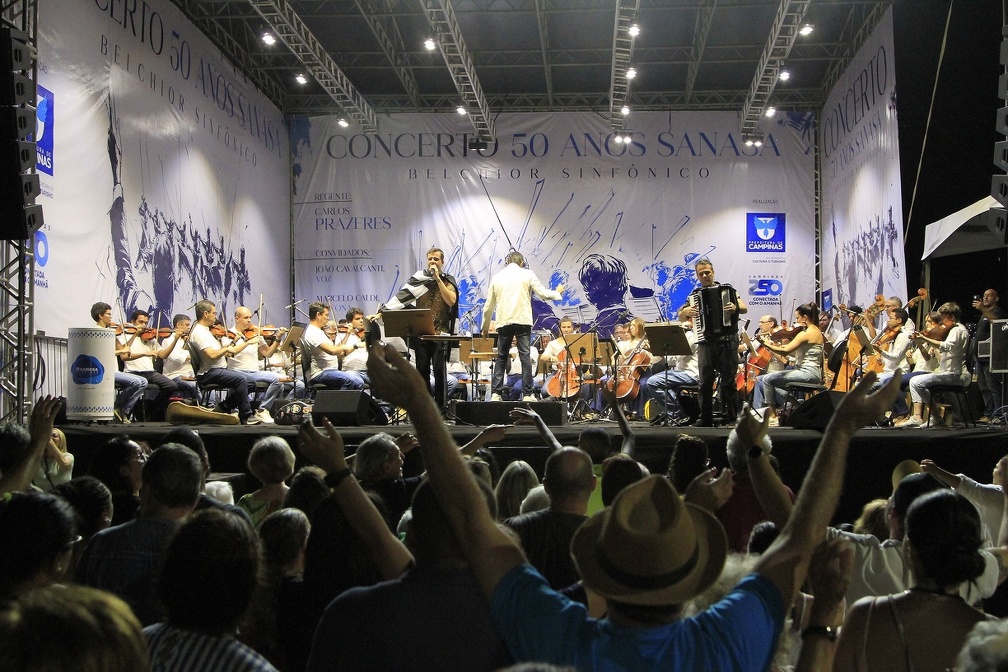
807	346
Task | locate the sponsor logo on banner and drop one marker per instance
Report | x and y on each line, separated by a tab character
765	291
44	131
87	370
765	231
827	300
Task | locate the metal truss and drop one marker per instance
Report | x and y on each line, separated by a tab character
386	30
623	46
860	31
540	7
704	20
17	277
783	34
291	30
796	99
257	69
448	36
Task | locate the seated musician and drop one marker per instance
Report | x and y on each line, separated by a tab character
139	360
629	364
892	345
807	347
325	353
951	364
675	372
552	354
178	361
513	385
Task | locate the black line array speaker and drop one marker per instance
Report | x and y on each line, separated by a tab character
347	408
480	413
20	217
815	412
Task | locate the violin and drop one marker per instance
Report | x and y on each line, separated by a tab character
939	332
220	331
786	333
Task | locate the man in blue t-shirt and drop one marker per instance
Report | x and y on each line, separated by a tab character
647	554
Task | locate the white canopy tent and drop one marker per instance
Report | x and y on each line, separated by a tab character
977	227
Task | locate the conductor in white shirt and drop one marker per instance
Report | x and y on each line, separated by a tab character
510	295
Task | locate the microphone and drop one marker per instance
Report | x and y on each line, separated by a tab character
255	312
288	306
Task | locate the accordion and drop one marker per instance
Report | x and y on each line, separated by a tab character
713	323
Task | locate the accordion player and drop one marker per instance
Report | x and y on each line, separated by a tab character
713	322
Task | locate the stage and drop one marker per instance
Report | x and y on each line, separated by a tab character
873	454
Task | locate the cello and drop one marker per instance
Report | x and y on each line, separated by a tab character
755	362
565	382
629	367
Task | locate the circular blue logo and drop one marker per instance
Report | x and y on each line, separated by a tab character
86	370
41	248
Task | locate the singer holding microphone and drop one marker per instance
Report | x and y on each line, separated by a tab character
430	288
510	294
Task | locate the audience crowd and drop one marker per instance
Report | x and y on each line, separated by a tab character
133	562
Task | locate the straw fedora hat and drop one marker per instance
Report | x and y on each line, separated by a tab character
650	547
904	469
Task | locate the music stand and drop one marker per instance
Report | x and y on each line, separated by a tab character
474	351
867	349
667	339
408	322
292	337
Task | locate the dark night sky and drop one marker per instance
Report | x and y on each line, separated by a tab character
957	161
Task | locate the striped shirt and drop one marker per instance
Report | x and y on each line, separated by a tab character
176	650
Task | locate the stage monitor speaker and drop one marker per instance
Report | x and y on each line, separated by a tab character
815	412
999	346
346	408
481	413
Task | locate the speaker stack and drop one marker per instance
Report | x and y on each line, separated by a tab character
996	218
19	183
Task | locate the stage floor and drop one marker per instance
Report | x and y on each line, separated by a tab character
873	454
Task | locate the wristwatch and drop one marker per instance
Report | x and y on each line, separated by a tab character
755	452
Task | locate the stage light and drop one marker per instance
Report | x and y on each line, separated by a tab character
634	30
625	110
343	122
429	44
771	111
806	30
631	73
268	39
300	79
784	75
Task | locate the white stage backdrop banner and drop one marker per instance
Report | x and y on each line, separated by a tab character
165	173
862	206
619	227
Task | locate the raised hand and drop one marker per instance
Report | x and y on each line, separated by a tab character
392	377
709	492
323	450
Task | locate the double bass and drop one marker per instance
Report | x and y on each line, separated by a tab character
848	371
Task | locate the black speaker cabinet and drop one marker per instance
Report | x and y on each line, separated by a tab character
815	412
347	408
480	413
999	346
